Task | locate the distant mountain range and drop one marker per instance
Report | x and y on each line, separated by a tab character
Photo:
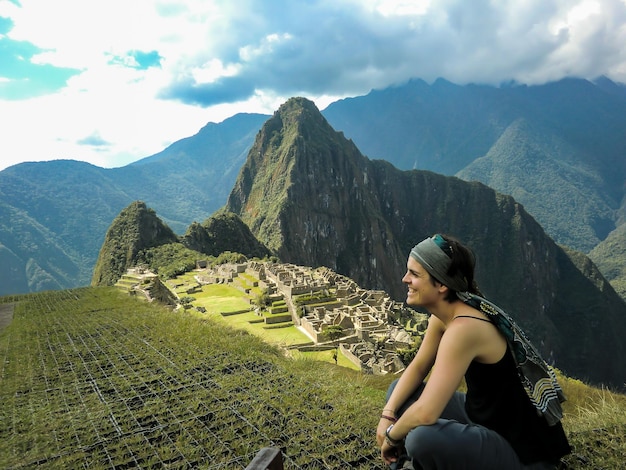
559	149
308	195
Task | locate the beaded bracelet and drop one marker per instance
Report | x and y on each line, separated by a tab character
390	418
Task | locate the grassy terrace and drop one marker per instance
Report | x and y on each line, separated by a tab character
93	378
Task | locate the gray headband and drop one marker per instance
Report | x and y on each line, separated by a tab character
434	260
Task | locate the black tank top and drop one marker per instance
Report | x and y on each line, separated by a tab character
497	400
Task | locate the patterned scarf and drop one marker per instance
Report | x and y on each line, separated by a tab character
536	375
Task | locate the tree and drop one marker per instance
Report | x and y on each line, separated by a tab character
186	301
262	300
334	332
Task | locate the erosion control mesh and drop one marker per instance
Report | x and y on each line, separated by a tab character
89	388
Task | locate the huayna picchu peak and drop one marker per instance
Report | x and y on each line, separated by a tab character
302	186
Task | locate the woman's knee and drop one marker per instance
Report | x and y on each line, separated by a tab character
426	437
427	440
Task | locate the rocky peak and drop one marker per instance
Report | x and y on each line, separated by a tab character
136	228
223	231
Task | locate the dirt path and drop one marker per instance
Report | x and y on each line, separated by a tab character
6	315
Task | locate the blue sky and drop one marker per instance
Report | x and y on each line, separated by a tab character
112	82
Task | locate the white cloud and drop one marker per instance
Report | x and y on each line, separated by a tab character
251	55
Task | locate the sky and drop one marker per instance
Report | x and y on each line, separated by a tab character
111	82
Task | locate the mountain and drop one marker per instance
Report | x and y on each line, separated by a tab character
309	194
192	177
557	148
609	256
571	200
54	215
307	216
223	231
137	229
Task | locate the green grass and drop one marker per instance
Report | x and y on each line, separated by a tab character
325	356
218	298
93	378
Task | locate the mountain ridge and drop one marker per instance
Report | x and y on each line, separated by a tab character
445	127
74	202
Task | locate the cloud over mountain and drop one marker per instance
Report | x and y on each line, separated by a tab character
144	74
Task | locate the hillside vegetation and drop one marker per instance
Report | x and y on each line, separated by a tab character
93	378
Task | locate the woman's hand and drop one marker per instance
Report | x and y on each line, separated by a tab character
388	453
383	424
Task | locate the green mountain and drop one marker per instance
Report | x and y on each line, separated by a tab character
546	174
223	231
137	230
54	215
609	256
558	149
308	194
192	178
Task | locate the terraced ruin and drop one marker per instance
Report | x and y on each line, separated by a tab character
373	327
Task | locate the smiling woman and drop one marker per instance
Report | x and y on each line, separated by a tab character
509	417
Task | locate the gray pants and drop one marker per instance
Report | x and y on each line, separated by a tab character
454	442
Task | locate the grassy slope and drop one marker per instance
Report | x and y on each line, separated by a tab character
93	378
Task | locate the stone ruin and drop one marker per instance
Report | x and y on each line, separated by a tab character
319	298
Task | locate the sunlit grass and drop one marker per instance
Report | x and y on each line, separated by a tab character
92	378
324	356
220	298
595	420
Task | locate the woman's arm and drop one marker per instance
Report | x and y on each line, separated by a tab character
413	376
462	342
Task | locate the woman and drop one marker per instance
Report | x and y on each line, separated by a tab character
510	416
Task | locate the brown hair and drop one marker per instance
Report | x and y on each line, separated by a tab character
463	261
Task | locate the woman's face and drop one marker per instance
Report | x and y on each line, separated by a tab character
421	290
